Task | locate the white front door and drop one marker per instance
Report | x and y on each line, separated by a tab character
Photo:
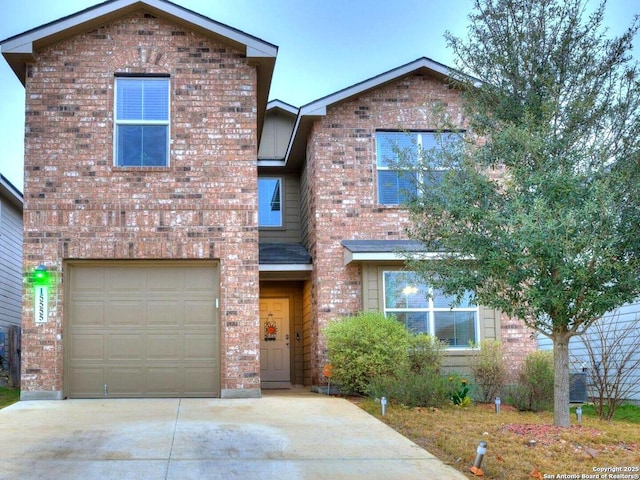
274	343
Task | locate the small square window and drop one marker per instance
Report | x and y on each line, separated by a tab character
142	122
269	202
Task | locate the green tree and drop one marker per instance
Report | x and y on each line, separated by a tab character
538	208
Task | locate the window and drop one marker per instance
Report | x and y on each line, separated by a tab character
396	186
142	122
424	310
269	202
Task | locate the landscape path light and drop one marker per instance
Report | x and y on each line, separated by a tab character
480	453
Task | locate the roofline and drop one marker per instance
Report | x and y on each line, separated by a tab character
318	108
8	190
20	49
280	105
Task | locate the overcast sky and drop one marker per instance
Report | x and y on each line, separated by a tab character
324	45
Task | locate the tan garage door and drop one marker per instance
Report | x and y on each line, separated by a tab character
142	330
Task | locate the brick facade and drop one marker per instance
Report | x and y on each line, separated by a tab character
342	187
203	206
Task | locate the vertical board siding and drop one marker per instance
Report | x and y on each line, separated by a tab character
10	265
579	358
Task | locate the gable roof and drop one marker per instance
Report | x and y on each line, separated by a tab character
11	193
20	49
314	110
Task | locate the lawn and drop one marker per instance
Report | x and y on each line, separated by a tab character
521	445
8	396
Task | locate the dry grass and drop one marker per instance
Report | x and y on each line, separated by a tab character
520	445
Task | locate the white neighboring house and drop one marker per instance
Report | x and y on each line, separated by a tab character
11	202
626	320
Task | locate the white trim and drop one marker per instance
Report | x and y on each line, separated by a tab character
285	267
350	256
117	123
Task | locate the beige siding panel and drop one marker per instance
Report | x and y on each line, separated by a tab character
143	330
10	265
275	136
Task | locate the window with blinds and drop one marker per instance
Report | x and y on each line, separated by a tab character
397	182
142	122
426	310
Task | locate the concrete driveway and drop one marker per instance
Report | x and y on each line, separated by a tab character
279	436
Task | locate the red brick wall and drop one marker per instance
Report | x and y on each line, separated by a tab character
518	341
340	181
203	206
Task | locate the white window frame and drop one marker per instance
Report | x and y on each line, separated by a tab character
280	181
430	309
117	123
413	134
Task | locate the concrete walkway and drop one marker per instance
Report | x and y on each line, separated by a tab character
279	436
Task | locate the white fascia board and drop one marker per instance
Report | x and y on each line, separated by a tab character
272	163
350	257
285	267
254	46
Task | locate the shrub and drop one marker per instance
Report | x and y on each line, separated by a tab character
412	389
364	347
488	370
534	391
425	352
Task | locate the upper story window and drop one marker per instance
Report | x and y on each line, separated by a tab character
141	122
425	310
395	185
269	202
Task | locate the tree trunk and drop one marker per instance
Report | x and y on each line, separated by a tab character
561	380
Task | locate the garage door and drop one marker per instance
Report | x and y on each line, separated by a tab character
142	330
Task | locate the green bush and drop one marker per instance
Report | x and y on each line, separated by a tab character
412	389
489	372
425	352
364	347
534	391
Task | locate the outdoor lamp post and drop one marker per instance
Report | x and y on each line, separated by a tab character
480	452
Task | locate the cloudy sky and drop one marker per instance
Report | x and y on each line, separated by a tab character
324	45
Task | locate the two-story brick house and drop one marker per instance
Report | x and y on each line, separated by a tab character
200	237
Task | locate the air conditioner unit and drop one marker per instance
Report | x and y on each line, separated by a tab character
578	387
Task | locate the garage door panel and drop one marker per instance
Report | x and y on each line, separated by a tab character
163	313
88	312
126	280
86	347
144	330
200	380
202	280
128	346
165	280
129	313
164	381
200	347
124	380
199	312
89	281
163	347
88	381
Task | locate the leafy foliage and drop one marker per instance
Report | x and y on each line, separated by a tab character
488	370
538	207
534	391
425	352
365	346
407	387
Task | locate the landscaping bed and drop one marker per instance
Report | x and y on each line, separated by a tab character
520	445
